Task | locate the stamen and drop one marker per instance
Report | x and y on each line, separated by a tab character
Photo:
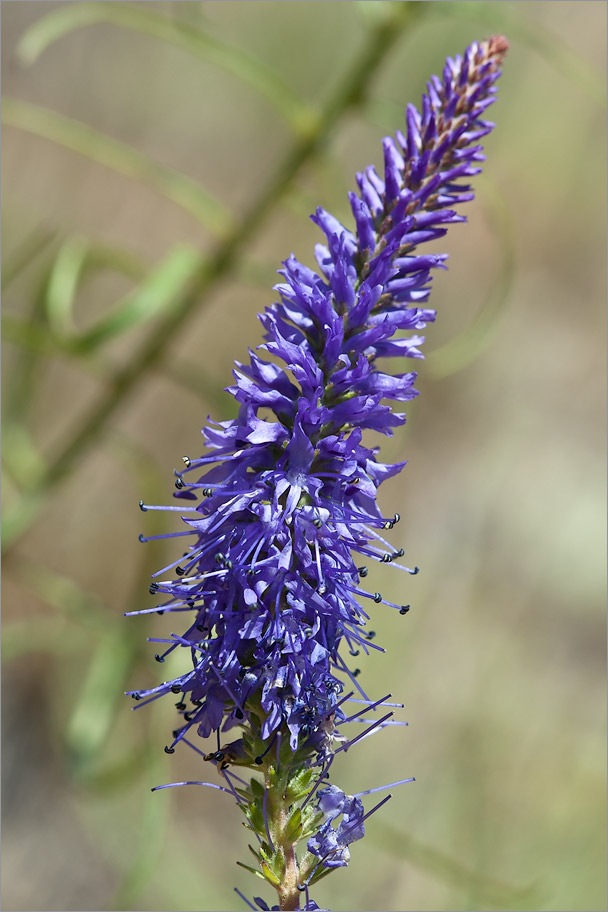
372	705
238	892
364	733
145	507
213	785
380	702
147	538
381	788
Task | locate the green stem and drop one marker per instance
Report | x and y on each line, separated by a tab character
350	94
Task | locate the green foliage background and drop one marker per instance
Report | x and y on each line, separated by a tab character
159	160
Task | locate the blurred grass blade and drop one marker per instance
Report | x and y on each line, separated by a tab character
61	593
28	250
20	457
489	891
33	337
186	36
95	708
77	258
38	634
144	859
202	384
80	138
63	285
468	345
162	288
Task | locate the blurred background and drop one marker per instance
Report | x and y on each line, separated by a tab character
159	161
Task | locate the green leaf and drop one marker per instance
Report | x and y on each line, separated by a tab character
270	876
256	817
80	138
293	830
186	36
257	789
299	785
241	864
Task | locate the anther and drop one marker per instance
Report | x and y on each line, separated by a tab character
239	713
180	705
386	558
207	492
259	760
201	627
404	609
388	525
354	652
176	688
142	538
188	716
356	672
142	506
159	658
370	634
175	732
169	750
362	571
415	571
377	597
219	557
218	756
317	523
228	564
179	484
153	587
136	696
180	571
396	518
190	603
186	461
399	553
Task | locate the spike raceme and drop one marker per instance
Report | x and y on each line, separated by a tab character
281	513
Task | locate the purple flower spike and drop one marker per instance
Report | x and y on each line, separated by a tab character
273	577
